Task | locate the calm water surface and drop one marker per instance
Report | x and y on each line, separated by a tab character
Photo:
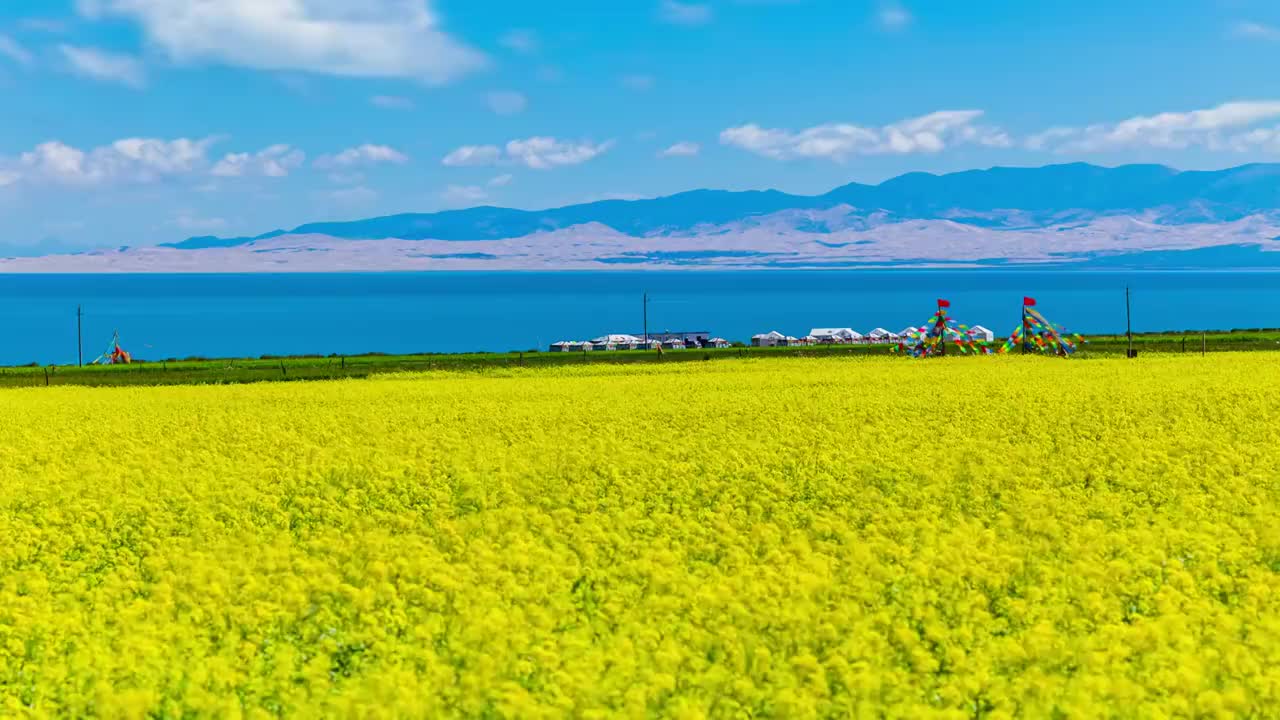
163	316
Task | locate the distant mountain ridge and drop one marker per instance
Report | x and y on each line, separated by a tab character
996	198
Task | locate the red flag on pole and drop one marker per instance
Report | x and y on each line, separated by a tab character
1028	301
944	303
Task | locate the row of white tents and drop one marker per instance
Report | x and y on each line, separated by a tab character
631	342
849	336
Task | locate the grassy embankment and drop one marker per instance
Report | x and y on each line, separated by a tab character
245	370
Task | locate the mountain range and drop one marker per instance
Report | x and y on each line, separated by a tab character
1073	214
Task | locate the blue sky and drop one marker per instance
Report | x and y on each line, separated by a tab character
144	121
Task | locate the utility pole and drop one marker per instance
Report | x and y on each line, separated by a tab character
646	321
1128	320
79	337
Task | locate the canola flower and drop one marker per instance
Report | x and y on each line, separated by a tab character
967	537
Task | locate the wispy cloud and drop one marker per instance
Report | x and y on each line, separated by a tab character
382	38
638	82
520	40
1228	127
473	156
273	161
500	180
359	195
681	149
193	222
550	74
507	102
10	48
538	153
362	156
463	195
839	141
893	16
105	66
48	25
684	13
1257	30
391	102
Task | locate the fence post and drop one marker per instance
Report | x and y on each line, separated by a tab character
1202	344
46	377
344	362
282	370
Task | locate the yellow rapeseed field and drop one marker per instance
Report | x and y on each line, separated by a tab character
966	537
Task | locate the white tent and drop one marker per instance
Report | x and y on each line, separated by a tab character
617	339
980	333
769	339
835	335
881	335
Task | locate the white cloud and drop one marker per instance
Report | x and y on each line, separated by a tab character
541	153
521	40
1257	30
639	83
500	181
106	66
839	141
463	195
682	13
273	161
372	38
135	160
469	155
11	49
893	16
681	149
1230	126
9	177
391	102
507	102
362	156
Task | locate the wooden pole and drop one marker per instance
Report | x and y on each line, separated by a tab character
79	337
1203	343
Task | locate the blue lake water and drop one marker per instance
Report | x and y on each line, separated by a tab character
163	316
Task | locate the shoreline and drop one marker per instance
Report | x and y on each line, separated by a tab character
269	368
